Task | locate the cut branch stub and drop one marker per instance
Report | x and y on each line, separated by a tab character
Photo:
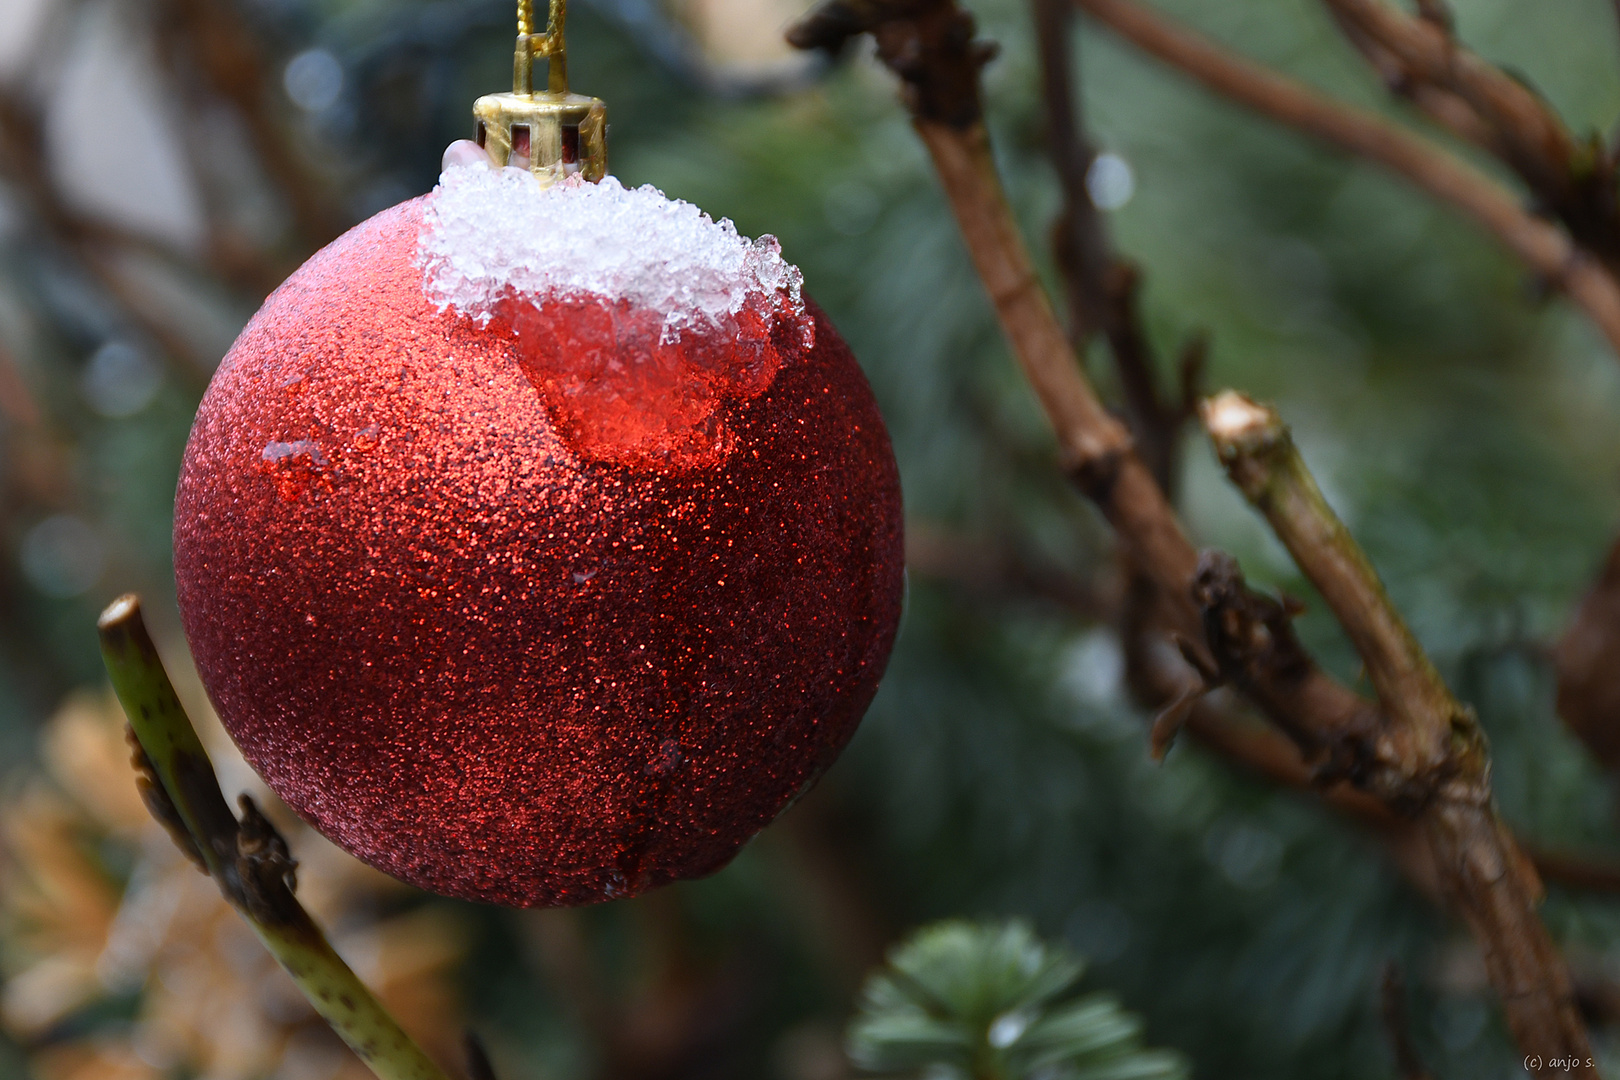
1429	744
1428	726
248	860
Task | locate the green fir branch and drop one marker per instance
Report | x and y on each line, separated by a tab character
965	1001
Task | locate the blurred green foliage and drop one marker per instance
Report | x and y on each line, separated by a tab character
959	1000
1461	424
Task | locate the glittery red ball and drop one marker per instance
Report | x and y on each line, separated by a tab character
544	612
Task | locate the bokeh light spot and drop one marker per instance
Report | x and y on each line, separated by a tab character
1110	182
313	80
62	556
120	380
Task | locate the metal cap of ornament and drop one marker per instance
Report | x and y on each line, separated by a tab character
554	134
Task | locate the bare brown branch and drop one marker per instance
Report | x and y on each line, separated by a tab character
1479	867
1398	1025
1101	288
1488	879
1588	675
1419	58
1578	870
1080	238
999	570
1538	243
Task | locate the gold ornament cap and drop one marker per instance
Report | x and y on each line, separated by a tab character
553	134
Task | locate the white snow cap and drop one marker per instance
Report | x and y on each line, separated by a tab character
489	231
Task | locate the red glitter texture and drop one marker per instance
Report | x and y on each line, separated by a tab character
538	613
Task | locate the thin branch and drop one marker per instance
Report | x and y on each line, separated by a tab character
1578	870
1439	103
930	46
1261	458
1420	58
1588	679
1542	246
1080	236
1002	571
1101	288
1398	1025
247	859
1489	879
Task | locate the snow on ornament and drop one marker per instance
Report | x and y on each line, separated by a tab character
538	541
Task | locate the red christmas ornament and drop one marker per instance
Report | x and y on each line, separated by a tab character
539	580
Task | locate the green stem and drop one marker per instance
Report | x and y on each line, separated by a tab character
247	858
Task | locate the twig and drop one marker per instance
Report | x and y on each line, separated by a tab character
930	46
1101	287
1002	571
1398	1025
1488	878
1098	447
1080	238
224	50
247	859
1421	59
1577	870
933	50
22	158
1588	679
1541	245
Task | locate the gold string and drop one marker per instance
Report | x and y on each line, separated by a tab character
549	45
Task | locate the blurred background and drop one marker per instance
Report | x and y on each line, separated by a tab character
165	163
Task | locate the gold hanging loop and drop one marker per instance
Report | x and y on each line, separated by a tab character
554	133
549	45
